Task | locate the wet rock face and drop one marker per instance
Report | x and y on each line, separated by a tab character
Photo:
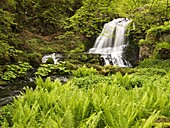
83	58
155	46
131	54
146	51
165	38
164	53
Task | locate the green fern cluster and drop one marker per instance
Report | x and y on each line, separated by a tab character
157	64
91	81
105	105
84	71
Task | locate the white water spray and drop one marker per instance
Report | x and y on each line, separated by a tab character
112	41
54	56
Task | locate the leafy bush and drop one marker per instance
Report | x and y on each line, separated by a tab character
84	71
9	53
6	116
91	81
163	45
15	70
6	21
47	69
44	17
158	31
34	58
155	63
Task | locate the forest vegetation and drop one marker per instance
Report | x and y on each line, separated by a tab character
94	96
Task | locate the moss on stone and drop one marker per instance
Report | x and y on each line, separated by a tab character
34	58
157	42
50	61
3	82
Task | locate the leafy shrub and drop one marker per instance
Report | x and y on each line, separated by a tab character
163	45
155	63
47	69
86	20
6	116
144	42
91	81
6	21
44	17
84	71
15	70
158	31
34	58
8	53
123	81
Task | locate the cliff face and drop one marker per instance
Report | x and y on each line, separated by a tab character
156	43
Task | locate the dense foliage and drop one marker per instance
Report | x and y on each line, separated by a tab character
138	99
95	96
43	20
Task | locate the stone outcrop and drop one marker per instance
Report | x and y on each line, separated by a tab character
165	38
164	53
146	51
156	44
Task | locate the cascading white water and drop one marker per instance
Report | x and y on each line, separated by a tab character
112	41
54	56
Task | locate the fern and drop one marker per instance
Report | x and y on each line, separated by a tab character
107	104
84	71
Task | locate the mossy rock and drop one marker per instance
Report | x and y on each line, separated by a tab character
110	69
35	59
163	53
50	61
156	44
158	34
146	51
165	38
3	82
95	66
83	58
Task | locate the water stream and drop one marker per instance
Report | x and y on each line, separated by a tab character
54	56
112	41
8	92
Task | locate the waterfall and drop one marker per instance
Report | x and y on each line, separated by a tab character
112	42
54	56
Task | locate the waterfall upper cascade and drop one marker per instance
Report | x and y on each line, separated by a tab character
112	41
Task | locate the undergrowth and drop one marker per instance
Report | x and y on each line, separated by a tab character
91	101
155	63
